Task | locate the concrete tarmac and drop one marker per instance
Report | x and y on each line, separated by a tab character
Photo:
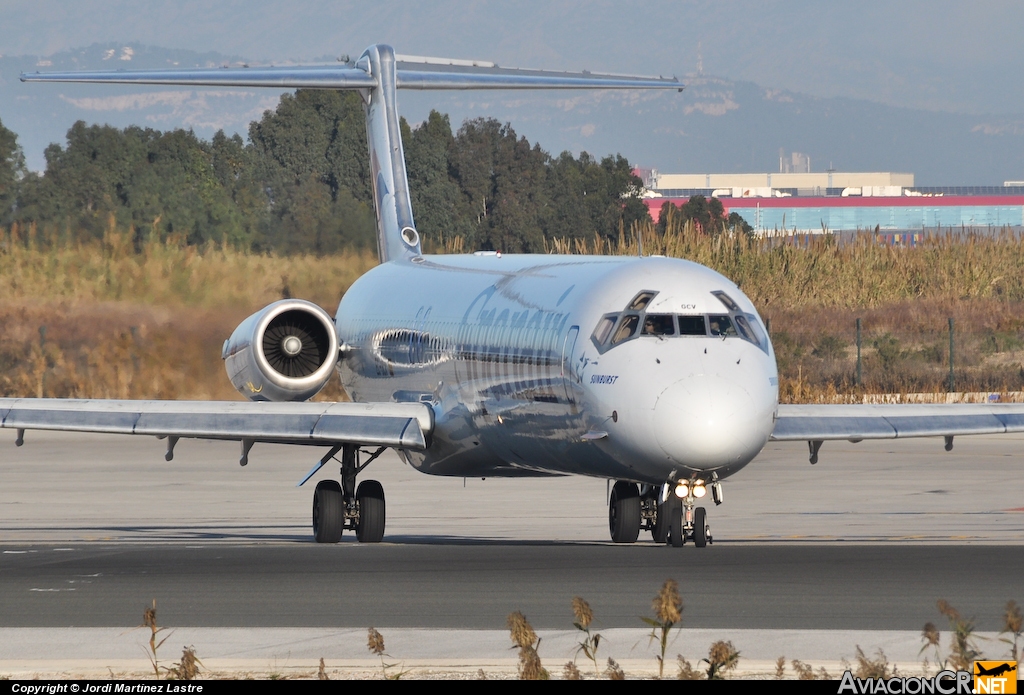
854	550
61	488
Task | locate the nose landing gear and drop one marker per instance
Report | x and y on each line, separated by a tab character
674	519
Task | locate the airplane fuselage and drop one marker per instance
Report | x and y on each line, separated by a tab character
618	367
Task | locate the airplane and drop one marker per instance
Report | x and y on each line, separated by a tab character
656	373
995	670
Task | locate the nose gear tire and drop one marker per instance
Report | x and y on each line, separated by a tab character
700	527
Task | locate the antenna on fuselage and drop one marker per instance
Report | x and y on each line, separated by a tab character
375	76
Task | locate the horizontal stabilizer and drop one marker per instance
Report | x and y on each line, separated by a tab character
347	77
398	425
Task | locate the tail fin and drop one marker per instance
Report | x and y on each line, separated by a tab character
376	76
396	232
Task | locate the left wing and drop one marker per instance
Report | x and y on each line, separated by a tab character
398	425
817	423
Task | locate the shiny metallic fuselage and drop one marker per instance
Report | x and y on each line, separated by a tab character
501	348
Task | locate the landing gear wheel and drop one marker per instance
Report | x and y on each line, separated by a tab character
659	531
700	527
624	513
370	498
328	512
676	534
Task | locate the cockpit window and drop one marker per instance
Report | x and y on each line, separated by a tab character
744	329
604	329
633	322
725	299
692	325
751	330
721	325
641	301
626	329
659	324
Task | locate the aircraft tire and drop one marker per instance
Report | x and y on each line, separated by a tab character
700	527
328	512
659	532
676	534
372	512
624	512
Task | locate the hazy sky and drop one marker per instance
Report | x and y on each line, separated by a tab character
935	54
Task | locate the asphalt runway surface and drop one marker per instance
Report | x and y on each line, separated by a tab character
476	585
94	528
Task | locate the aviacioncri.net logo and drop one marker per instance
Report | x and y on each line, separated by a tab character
988	677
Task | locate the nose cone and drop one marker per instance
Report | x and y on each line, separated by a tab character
706	421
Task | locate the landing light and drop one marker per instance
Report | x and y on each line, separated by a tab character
699	491
681	490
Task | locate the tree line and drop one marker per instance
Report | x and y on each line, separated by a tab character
302	184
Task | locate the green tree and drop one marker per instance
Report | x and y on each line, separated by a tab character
310	155
707	214
436	197
157	183
504	182
12	169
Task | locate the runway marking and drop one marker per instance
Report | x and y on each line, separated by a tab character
51	590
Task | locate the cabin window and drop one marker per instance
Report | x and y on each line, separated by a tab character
692	325
659	324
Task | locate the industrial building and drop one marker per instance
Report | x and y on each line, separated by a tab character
805	202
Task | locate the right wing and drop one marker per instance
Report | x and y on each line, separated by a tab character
397	425
856	422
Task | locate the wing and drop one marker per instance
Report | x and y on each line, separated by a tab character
398	425
818	423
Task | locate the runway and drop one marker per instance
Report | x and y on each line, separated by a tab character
476	585
856	549
73	488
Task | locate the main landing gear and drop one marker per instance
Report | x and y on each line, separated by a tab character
668	511
345	506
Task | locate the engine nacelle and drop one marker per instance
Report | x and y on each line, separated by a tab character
283	352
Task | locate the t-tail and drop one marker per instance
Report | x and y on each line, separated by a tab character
376	75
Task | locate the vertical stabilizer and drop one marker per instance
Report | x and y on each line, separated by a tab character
396	233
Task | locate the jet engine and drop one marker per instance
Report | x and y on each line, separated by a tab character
283	352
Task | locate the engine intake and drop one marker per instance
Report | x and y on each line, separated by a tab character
284	352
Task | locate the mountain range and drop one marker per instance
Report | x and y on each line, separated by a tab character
714	125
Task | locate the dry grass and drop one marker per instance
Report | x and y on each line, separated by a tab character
527	642
102	321
149	322
667	607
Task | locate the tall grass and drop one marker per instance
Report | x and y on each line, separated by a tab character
819	271
109	320
147	320
168	273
